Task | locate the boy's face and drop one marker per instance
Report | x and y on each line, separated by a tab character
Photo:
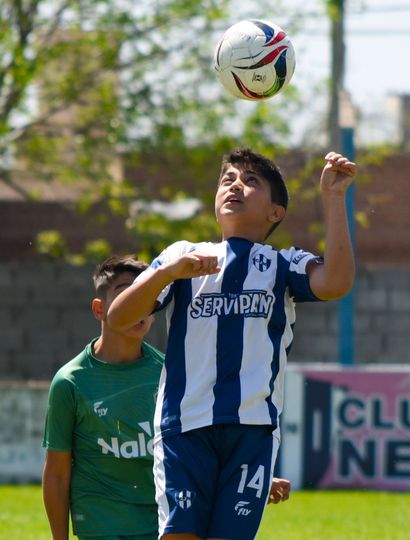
243	203
122	282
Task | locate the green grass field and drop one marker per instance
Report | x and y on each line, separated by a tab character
336	515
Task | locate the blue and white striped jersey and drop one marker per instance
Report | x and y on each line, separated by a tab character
229	335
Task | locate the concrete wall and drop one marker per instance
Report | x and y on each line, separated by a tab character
22	412
45	320
381	322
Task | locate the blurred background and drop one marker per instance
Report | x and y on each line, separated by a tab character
112	127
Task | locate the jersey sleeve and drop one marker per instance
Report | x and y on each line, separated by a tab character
169	254
60	418
298	279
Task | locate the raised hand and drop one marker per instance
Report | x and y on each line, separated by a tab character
337	174
191	265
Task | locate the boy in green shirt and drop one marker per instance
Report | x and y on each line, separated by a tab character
99	430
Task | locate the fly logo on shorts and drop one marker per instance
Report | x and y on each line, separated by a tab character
184	498
241	510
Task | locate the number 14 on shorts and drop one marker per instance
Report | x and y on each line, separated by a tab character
256	482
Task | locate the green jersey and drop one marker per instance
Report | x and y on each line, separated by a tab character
103	414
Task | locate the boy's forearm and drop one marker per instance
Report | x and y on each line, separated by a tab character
137	301
57	504
339	258
335	277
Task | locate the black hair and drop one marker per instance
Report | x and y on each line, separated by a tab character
106	272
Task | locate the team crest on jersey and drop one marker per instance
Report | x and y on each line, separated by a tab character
261	262
184	498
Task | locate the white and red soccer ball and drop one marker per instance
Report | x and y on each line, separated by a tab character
254	59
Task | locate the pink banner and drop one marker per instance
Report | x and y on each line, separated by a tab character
365	440
346	428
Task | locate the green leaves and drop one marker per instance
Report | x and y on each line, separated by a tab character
52	244
90	88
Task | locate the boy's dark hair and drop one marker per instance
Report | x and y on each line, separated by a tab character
106	272
244	157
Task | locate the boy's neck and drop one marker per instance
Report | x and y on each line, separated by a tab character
116	349
248	235
238	229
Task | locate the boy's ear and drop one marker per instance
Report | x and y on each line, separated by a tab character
277	214
97	306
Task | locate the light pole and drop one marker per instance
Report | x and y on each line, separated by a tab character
346	306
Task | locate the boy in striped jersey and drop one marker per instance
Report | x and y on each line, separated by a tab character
230	312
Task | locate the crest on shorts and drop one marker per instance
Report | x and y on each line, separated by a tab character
184	498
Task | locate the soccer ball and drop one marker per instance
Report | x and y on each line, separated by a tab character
254	59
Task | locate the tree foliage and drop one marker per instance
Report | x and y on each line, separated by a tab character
90	88
82	79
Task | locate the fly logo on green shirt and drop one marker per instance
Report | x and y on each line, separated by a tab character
101	411
130	449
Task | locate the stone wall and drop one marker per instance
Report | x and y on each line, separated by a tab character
46	319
